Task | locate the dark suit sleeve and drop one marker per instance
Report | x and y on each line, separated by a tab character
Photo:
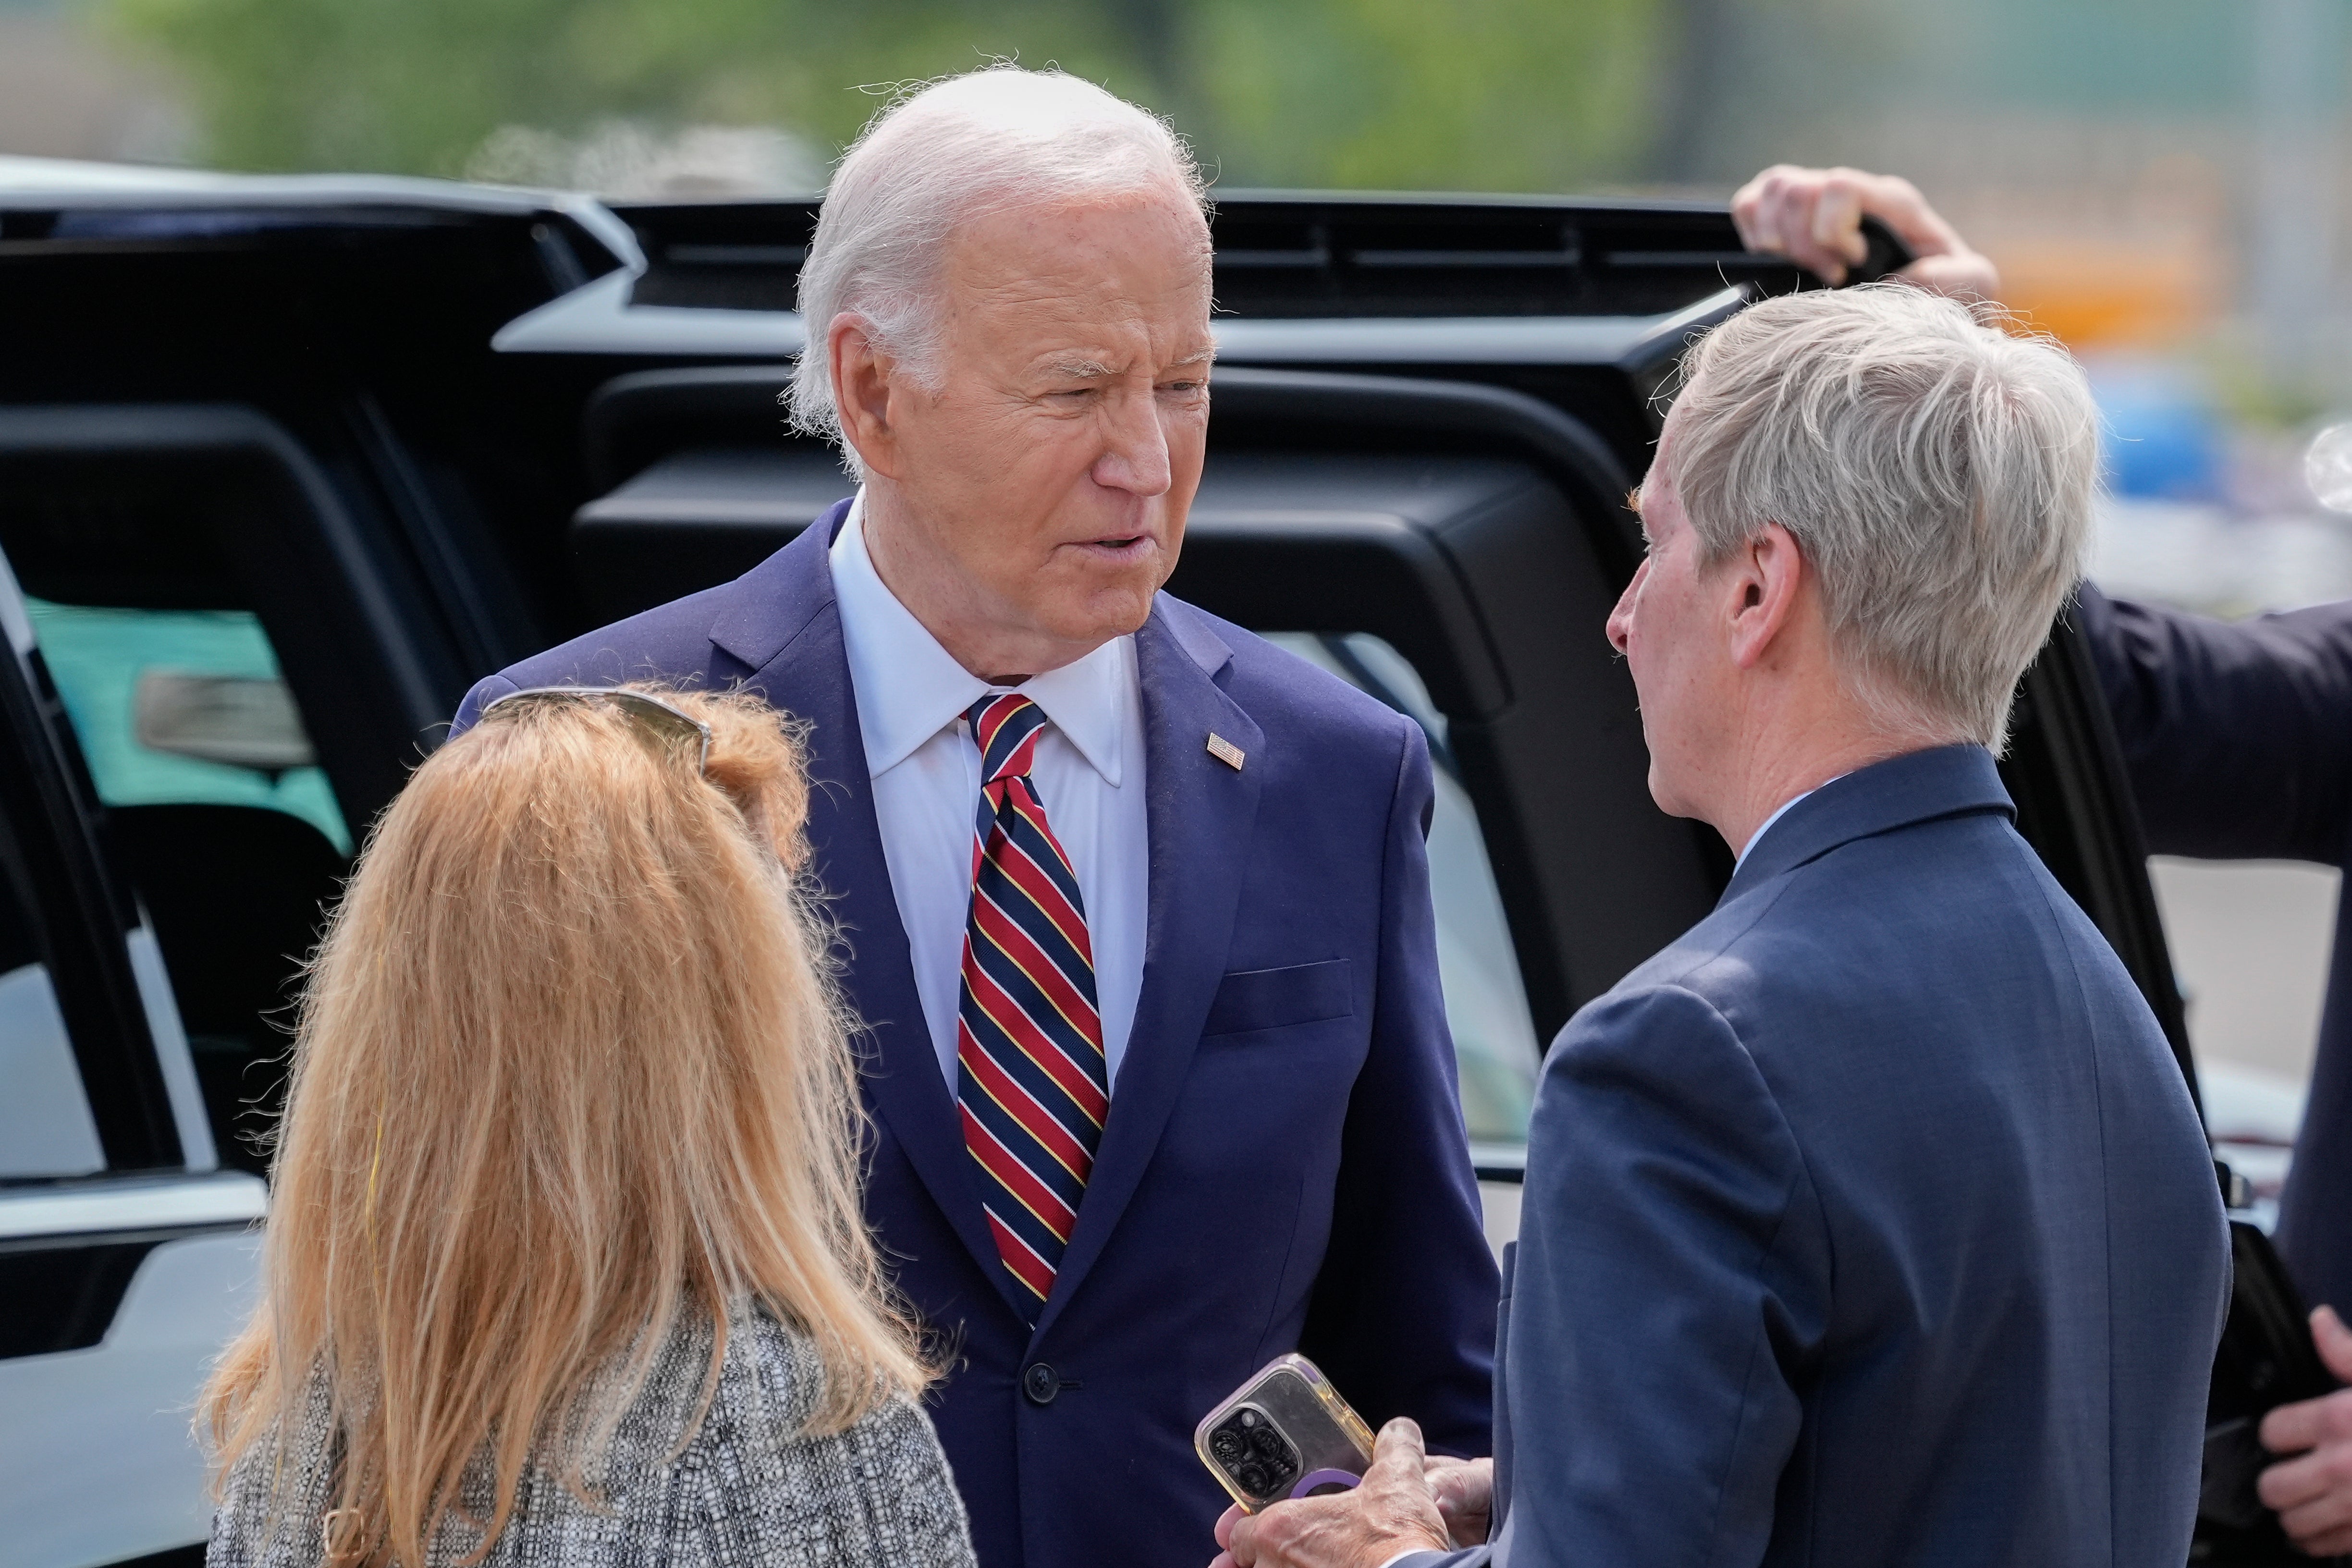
1672	1288
2237	735
1403	1318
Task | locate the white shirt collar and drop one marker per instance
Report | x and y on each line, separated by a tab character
1777	815
1767	827
908	687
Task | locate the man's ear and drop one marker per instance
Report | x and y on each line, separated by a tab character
862	382
1764	577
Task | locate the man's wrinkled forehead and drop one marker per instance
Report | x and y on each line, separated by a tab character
1087	288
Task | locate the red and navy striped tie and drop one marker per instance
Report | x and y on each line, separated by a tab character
1032	1082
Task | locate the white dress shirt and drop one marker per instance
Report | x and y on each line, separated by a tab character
911	696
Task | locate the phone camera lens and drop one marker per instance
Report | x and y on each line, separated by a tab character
1270	1451
1253	1450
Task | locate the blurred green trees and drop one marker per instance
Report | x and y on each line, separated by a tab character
1459	94
1527	95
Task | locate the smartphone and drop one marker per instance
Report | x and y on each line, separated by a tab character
1283	1434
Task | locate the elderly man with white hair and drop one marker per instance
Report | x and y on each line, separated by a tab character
1136	906
1870	1223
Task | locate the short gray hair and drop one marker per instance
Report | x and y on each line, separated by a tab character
932	162
1936	472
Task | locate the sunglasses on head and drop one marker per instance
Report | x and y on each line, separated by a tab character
666	724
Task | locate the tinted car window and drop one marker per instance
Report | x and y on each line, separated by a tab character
249	676
1494	1043
229	830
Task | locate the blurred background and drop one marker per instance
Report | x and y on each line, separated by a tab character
2162	181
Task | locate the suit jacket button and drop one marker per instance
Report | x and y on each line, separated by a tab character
1040	1382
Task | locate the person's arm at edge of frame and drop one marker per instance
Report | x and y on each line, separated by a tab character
1649	1085
1402	1315
2237	736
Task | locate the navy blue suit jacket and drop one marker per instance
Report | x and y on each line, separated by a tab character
2238	738
1868	1224
1283	1166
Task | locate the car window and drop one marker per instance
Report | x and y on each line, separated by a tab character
226	824
46	1126
184	705
1494	1043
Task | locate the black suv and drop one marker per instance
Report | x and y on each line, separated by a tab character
286	464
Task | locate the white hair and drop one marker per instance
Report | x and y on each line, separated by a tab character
1936	472
931	163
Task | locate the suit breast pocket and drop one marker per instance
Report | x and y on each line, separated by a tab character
1250	999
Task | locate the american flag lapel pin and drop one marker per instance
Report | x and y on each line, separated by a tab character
1225	751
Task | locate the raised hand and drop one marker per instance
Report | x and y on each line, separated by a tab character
1814	216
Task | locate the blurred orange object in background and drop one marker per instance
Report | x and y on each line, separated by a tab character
2097	294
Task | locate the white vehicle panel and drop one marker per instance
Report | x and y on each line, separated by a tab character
98	1458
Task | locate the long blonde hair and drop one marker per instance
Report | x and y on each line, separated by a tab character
568	1068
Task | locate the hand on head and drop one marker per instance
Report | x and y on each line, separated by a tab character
1395	1510
1814	216
2312	1492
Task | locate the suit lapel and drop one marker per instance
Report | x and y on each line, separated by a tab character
788	628
1201	814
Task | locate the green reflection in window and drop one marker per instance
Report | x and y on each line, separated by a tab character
97	655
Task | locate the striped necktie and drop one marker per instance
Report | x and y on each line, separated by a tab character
1031	1081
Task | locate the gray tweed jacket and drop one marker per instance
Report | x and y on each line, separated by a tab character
746	1490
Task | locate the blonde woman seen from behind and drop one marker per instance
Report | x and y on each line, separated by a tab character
564	1261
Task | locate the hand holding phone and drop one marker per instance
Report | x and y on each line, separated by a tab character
1286	1433
1399	1509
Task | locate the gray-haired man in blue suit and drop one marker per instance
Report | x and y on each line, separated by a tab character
1870	1223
